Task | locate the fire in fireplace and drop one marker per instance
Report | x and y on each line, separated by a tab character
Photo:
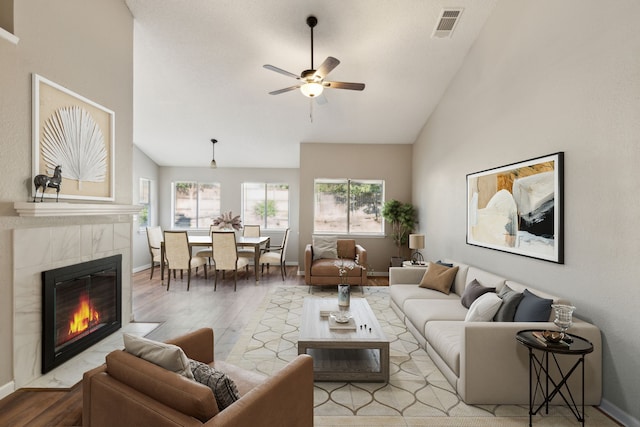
82	305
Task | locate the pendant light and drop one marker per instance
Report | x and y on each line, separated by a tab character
213	164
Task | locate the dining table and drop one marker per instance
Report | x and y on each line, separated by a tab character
241	241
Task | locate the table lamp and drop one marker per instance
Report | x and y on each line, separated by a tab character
416	241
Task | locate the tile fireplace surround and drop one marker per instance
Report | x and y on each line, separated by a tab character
39	249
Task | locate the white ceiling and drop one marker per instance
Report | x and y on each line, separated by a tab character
198	74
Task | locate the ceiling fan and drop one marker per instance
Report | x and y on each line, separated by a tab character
312	82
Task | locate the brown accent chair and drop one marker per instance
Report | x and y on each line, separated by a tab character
324	271
129	391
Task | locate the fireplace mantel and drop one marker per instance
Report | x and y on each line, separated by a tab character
29	209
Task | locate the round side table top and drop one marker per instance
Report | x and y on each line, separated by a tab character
578	346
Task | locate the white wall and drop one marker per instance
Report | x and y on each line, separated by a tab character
231	180
88	48
548	76
143	167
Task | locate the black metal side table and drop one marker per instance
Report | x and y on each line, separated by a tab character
539	364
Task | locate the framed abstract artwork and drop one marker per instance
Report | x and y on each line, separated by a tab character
518	208
76	134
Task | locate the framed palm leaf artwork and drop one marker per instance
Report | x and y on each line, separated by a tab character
76	134
518	208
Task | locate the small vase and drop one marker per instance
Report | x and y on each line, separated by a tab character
344	294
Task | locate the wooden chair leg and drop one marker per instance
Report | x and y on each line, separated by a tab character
246	274
188	278
153	266
205	272
169	279
283	271
215	279
235	279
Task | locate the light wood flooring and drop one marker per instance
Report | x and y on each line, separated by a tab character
177	311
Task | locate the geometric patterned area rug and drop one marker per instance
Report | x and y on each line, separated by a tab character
417	393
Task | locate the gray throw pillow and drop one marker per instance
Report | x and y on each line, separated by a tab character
224	389
473	291
325	247
510	301
532	308
168	356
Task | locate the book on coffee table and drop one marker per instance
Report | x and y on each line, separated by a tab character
350	325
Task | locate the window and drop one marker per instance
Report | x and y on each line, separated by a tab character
348	206
144	217
265	204
195	204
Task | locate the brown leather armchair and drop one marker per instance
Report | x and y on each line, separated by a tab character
324	271
129	391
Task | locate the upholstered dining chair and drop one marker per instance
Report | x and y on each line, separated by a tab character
249	231
225	256
178	254
208	252
154	239
276	255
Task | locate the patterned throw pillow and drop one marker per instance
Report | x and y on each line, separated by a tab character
223	387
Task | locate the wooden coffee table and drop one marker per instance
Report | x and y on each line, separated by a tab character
343	354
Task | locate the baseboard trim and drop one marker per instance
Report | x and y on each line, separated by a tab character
141	268
7	389
618	414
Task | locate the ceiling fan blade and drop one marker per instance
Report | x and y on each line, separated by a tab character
325	68
281	71
344	85
286	89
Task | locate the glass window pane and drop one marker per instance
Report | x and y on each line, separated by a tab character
365	207
330	211
253	203
186	204
277	206
209	204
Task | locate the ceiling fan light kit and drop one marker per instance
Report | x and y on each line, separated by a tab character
312	81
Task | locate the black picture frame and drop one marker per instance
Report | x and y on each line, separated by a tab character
518	208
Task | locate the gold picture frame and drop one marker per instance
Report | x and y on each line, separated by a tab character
77	134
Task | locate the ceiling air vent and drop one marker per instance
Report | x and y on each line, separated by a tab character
447	23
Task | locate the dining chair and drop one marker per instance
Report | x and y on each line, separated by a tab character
276	255
178	254
154	239
208	252
225	256
249	231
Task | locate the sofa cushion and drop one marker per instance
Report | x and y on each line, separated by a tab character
325	247
510	301
419	312
484	308
401	293
346	248
328	267
446	339
223	387
460	282
438	277
473	291
532	308
168	356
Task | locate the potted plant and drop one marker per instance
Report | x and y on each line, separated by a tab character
402	217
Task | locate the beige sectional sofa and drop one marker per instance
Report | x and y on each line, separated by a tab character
482	360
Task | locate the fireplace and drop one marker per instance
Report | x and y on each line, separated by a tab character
82	304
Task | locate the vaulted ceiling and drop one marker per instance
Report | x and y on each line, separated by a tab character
198	74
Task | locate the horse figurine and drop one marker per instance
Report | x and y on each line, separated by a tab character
45	181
